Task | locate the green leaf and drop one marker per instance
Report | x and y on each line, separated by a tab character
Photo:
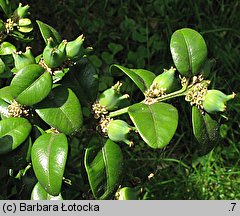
104	166
3	108
31	84
6	95
205	130
95	60
13	132
142	78
107	57
48	31
82	79
115	48
6	7
38	193
156	123
189	51
20	36
7	48
61	110
19	157
49	155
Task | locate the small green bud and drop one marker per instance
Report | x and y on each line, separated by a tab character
73	48
54	56
23	59
215	101
22	11
111	97
118	130
2	66
127	193
165	80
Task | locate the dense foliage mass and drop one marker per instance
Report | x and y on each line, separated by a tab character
74	117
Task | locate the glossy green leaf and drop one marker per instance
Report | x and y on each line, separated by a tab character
156	123
3	109
82	79
19	157
6	95
205	130
31	84
21	36
189	51
49	155
48	31
104	166
4	4
13	132
38	193
7	48
142	78
61	110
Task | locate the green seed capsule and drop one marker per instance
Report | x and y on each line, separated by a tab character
118	131
165	80
54	56
111	97
215	101
127	193
23	59
73	48
22	11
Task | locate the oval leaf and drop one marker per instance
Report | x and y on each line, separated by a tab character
205	130
189	51
142	78
31	84
49	155
48	31
3	109
156	123
61	110
7	48
6	95
38	193
6	6
104	166
82	79
13	132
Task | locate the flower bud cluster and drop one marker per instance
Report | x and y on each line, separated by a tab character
9	25
99	110
196	94
161	85
17	110
116	130
210	101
